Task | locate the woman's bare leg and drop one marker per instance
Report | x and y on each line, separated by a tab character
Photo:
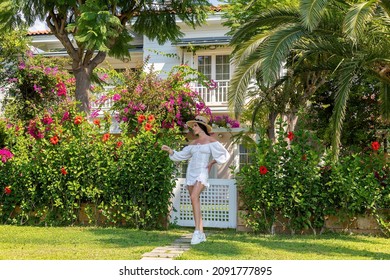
195	192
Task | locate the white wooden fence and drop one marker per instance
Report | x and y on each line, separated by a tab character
218	204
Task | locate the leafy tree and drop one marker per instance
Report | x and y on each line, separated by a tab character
12	44
100	28
339	40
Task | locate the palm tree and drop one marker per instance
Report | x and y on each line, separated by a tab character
330	39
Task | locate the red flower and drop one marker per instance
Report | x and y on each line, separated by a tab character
78	120
63	171
54	140
304	157
106	136
263	170
148	127
375	145
290	135
96	122
7	190
151	118
141	118
119	144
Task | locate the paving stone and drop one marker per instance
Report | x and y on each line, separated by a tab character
169	252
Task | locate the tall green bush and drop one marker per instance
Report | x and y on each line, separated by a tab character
293	184
284	185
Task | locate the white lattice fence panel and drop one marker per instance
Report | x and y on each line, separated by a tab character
218	204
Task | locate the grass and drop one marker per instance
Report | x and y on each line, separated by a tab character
80	243
228	245
89	243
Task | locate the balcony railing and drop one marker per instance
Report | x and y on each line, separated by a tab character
214	96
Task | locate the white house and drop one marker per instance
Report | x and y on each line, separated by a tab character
207	50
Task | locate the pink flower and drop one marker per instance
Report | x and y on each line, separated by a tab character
65	117
116	97
95	114
138	89
104	77
61	89
47	119
37	88
34	131
22	65
5	155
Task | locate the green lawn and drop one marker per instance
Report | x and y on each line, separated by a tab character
80	243
228	245
90	243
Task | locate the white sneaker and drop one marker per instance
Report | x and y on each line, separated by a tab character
197	238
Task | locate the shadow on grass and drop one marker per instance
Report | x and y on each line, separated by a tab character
131	237
328	246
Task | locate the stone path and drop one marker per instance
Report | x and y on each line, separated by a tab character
172	251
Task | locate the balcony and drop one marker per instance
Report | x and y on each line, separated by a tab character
216	98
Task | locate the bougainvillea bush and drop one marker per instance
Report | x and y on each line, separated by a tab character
293	184
57	162
171	100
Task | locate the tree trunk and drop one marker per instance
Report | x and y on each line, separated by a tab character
271	126
83	83
291	120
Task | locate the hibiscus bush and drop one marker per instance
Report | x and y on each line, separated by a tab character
284	185
293	184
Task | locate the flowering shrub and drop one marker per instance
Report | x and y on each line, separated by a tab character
59	162
171	101
39	84
292	183
359	183
225	121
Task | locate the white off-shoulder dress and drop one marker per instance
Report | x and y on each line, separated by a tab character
199	156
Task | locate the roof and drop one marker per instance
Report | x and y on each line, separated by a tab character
202	41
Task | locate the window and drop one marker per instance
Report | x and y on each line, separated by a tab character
244	156
214	67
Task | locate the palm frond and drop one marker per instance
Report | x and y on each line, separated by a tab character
311	12
240	82
243	51
266	20
356	18
385	101
345	76
386	7
276	50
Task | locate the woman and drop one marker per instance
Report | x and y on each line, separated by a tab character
199	152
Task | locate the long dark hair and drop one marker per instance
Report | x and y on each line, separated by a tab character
204	128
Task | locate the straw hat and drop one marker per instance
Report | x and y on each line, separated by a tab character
202	120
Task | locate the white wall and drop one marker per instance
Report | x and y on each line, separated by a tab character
212	28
